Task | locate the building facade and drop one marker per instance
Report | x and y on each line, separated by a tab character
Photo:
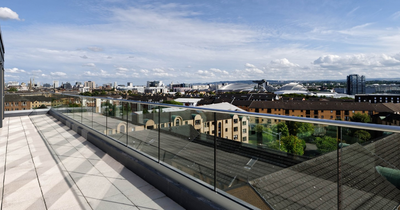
355	84
329	110
1	80
91	85
378	98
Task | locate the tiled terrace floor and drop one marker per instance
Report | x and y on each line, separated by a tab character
46	165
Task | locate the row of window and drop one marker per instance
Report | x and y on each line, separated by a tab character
14	103
16	109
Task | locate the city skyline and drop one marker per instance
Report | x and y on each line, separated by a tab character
207	41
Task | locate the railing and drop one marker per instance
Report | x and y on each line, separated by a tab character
269	161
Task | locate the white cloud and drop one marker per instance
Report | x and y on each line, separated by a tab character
219	71
356	61
7	14
36	71
283	63
15	70
7	76
58	74
158	70
205	74
95	49
396	15
121	69
252	69
84	57
92	65
248	65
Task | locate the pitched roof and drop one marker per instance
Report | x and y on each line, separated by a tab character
312	184
319	105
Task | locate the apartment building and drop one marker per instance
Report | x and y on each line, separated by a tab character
331	110
378	98
231	127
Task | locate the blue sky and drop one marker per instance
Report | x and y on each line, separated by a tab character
199	41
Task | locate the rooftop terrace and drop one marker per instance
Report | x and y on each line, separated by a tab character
46	165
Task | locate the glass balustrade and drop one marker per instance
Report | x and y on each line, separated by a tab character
269	161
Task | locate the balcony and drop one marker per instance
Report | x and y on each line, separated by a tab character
49	166
314	164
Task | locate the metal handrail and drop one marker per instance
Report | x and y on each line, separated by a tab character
357	125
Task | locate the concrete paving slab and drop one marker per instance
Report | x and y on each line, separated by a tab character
64	171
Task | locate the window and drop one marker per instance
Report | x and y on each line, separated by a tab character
235	120
226	121
337	112
177	121
257	110
315	111
197	122
346	112
331	111
235	137
322	116
287	111
244	122
226	129
6	105
331	117
244	130
268	110
244	138
235	129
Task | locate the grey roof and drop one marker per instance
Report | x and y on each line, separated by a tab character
186	146
17	98
322	105
312	184
388	149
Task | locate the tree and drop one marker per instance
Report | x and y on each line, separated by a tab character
302	130
12	89
259	129
282	128
326	144
172	102
293	144
362	136
359	117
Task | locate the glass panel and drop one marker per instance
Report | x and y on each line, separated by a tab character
87	114
116	126
100	116
143	128
370	169
274	163
187	143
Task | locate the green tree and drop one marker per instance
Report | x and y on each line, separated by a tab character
303	130
293	144
326	144
13	89
282	128
362	136
359	117
259	129
172	102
